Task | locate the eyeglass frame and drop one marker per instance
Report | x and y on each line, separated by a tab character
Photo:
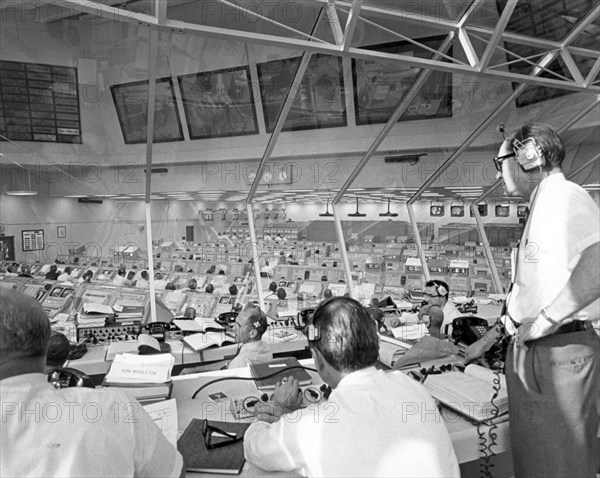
208	430
498	160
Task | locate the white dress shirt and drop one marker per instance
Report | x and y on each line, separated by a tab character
374	424
255	351
78	432
548	253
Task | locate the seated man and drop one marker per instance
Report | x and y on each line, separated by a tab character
76	431
437	303
52	274
382	424
431	347
66	275
249	327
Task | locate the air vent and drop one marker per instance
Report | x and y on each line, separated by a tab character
90	201
406	158
158	171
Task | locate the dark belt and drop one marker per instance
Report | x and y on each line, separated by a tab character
575	326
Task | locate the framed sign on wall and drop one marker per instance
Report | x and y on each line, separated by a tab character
33	240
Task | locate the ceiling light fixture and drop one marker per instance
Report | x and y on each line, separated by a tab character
326	213
388	213
357	214
22	192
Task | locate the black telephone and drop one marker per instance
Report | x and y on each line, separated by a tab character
158	330
469	329
301	320
69	377
227	319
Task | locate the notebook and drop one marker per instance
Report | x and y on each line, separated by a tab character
228	460
204	340
470	392
281	365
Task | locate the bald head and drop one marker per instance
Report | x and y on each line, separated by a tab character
24	332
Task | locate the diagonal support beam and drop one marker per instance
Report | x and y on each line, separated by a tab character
334	22
401	108
285	109
582	25
351	24
573	68
497	35
475	134
468	48
589	79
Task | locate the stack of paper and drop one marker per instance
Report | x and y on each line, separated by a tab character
94	315
147	378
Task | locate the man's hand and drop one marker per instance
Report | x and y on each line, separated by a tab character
287	397
288	394
268	412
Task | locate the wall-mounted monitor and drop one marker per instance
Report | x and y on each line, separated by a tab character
380	86
131	102
319	101
219	103
502	210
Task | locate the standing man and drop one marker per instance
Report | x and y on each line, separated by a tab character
552	365
373	424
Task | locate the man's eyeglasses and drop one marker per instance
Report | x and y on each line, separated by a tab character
498	160
226	438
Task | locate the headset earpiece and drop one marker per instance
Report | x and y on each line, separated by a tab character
440	289
529	155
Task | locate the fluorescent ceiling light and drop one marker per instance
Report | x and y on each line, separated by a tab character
22	192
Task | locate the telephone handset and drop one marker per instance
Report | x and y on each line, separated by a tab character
469	329
69	377
226	319
301	320
158	330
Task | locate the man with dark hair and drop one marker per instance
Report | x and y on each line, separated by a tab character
438	308
58	351
120	278
327	294
209	289
272	290
143	281
374	423
74	429
66	275
552	364
52	274
233	290
249	328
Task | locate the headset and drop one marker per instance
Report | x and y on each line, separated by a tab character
440	288
529	154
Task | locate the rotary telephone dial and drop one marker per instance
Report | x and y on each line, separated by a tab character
469	329
227	319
